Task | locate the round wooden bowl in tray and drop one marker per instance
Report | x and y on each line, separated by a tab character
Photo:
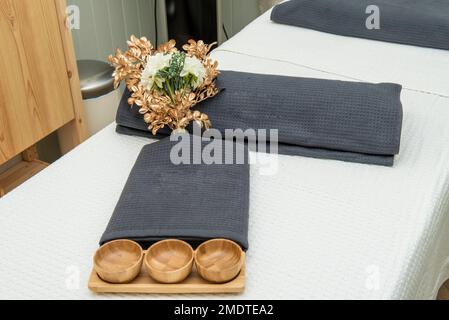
118	261
219	260
169	261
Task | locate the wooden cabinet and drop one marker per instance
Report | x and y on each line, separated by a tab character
39	84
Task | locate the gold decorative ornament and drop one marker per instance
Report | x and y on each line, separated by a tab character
166	83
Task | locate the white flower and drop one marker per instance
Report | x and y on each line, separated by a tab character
154	64
194	67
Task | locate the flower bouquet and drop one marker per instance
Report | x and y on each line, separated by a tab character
166	83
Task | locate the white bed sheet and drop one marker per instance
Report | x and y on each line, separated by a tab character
417	68
318	228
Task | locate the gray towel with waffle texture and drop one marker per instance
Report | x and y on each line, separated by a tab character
193	202
422	23
329	119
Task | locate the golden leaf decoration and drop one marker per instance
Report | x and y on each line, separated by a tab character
157	109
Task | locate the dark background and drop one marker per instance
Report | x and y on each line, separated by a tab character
193	19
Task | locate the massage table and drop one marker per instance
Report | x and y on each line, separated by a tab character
318	229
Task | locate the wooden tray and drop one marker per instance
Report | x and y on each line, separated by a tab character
193	284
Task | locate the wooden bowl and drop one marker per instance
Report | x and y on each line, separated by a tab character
118	261
169	261
219	260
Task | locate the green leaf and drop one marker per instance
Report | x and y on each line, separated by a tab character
176	65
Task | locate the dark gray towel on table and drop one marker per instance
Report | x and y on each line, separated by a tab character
191	202
349	121
422	23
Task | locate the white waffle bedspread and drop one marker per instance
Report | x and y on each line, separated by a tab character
319	229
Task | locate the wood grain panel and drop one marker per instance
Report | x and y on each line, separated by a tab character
35	94
74	132
18	174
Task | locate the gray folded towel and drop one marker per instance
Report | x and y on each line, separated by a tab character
349	121
422	23
190	202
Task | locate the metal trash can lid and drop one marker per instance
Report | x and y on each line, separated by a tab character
95	78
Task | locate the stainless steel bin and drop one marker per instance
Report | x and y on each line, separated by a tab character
99	97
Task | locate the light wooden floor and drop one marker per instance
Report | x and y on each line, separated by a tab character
444	292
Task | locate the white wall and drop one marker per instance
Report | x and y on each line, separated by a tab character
106	25
236	14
